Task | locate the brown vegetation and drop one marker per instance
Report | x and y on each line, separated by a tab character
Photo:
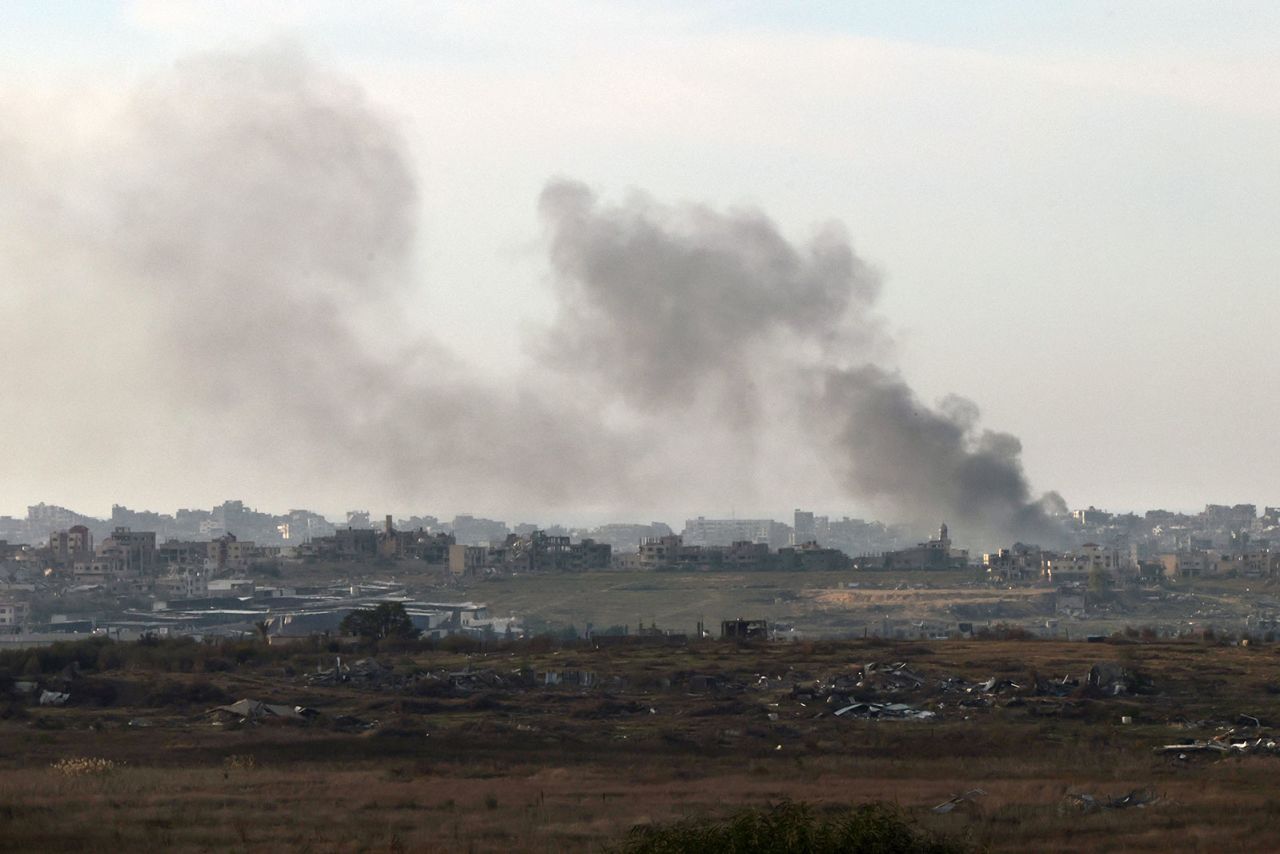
420	762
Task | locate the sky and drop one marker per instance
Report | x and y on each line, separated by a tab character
1069	208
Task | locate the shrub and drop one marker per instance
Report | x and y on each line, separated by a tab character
874	828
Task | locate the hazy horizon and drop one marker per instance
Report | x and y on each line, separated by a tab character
607	260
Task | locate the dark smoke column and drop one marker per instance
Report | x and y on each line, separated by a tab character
929	464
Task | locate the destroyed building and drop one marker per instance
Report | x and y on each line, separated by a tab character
937	553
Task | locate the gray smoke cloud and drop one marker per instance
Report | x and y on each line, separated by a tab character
930	465
240	243
233	259
666	302
665	305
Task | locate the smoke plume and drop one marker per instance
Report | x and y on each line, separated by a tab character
664	303
664	306
928	465
232	253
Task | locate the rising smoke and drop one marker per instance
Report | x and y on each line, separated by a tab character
241	242
932	464
664	305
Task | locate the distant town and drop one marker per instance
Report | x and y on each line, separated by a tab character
232	570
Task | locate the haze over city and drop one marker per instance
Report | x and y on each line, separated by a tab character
635	261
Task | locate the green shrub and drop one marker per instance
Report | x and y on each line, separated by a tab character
794	828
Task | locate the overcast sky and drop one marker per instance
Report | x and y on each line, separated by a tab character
1072	207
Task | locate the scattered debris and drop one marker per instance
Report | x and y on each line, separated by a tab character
968	797
885	710
366	672
1222	745
53	698
1091	803
1112	679
255	710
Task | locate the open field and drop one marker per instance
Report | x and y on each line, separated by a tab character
816	601
825	604
493	759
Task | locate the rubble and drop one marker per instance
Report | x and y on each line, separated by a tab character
877	689
255	710
886	710
366	672
968	797
1113	679
1222	744
54	698
1092	803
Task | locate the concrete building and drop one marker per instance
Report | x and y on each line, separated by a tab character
669	550
228	554
13	614
1088	562
183	582
182	553
1017	563
804	528
137	549
67	547
725	532
414	545
937	553
467	560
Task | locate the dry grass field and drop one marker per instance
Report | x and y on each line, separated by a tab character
824	604
496	760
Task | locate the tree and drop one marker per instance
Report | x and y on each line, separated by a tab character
388	620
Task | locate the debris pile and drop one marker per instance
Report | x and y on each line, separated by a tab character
873	691
1225	742
901	711
894	690
366	672
54	698
251	711
1113	680
1093	803
962	799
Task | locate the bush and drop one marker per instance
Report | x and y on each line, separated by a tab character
874	828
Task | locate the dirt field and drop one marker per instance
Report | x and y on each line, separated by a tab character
490	758
817	603
849	604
